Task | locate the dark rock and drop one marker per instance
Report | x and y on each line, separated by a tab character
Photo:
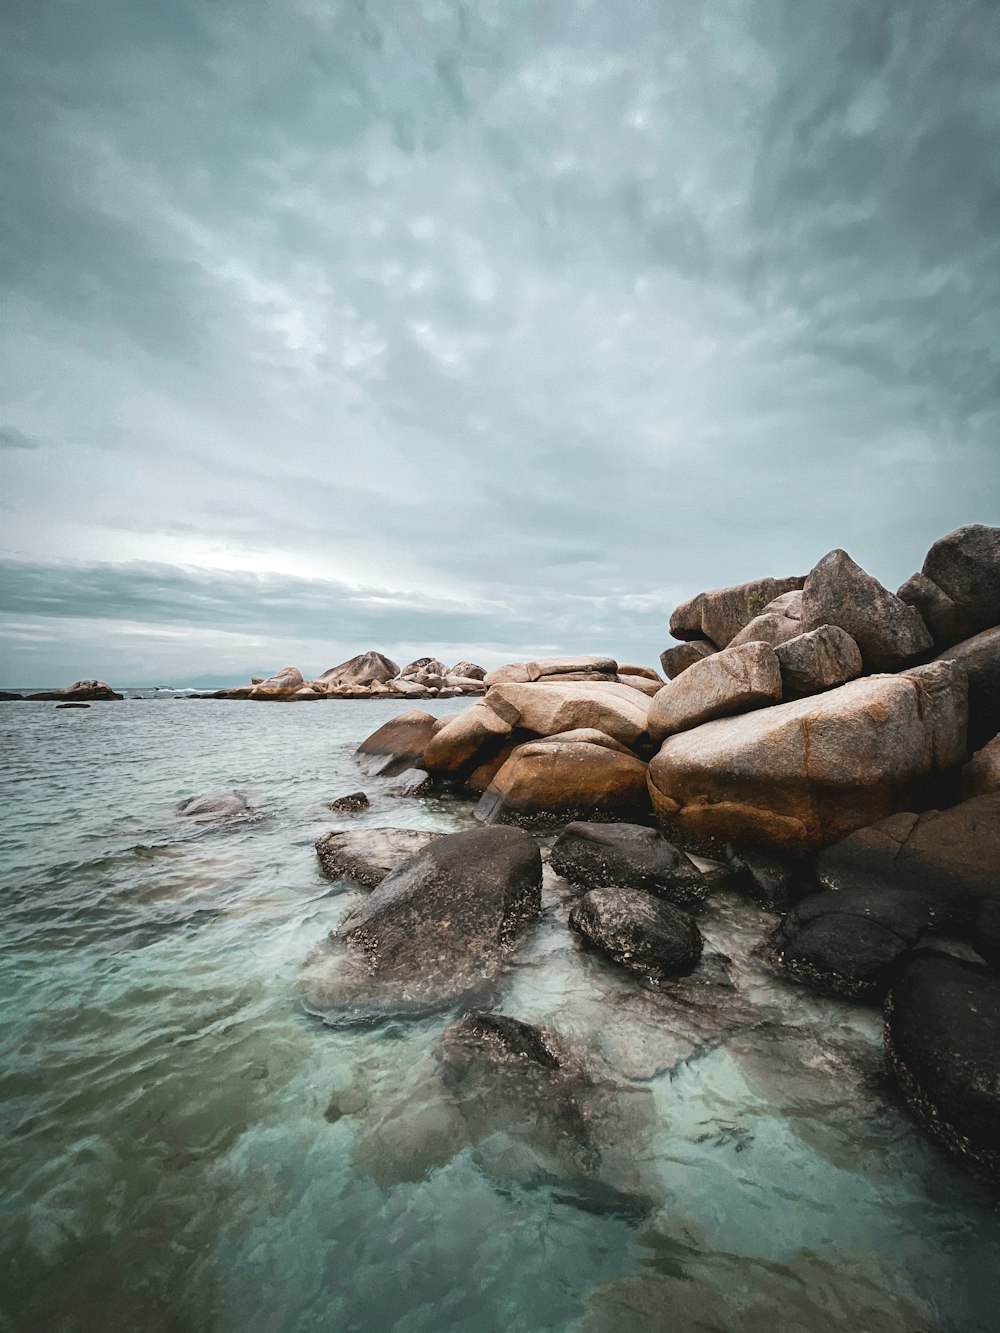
948	858
979	657
73	705
981	774
356	801
847	943
551	781
439	926
720	614
820	660
207	809
958	590
642	933
7	696
368	855
628	856
81	690
942	1042
770	881
986	931
398	744
839	592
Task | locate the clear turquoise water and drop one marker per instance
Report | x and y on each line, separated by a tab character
173	1163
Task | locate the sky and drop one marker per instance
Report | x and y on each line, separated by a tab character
479	328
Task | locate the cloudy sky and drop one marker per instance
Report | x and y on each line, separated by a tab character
480	327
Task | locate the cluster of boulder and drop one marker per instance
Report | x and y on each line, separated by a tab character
76	695
816	737
369	675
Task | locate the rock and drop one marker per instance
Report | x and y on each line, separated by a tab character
642	933
800	775
679	658
465	684
648	672
398	744
641	683
465	740
412	782
608	677
780	621
561	666
720	614
942	1043
981	774
979	657
283	683
986	931
847	943
820	660
367	855
308	693
71	705
588	735
208	809
549	782
356	801
616	710
364	669
958	591
627	856
773	883
514	673
8	696
730	681
889	633
949	858
438	926
80	691
428	664
483	774
467	669
408	688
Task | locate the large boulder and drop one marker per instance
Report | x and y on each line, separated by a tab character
847	943
949	858
368	855
981	774
942	1043
283	684
800	775
820	660
617	710
439	926
468	670
398	744
889	633
683	655
642	933
365	669
583	666
552	781
979	657
958	590
720	614
627	856
464	740
430	664
80	690
731	681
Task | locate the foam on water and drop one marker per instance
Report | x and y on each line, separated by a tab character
192	1151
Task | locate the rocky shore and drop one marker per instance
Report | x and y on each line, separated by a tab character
369	675
820	744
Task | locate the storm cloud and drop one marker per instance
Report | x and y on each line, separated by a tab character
480	327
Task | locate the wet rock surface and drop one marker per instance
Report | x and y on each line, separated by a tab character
367	855
642	933
942	1043
218	807
628	856
397	745
356	800
548	782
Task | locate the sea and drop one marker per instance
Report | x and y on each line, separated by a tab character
188	1147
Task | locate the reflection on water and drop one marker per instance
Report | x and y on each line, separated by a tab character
192	1151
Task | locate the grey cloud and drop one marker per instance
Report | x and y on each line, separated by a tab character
12	438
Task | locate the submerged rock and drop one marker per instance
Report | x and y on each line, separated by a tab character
367	855
731	681
439	926
207	809
642	933
942	1043
551	781
629	856
797	776
71	705
357	800
847	943
889	633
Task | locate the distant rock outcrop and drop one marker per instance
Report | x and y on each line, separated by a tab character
81	690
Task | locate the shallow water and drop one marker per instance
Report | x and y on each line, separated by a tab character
189	1150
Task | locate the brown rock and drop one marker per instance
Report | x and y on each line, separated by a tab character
820	660
398	744
463	739
800	775
514	673
643	684
780	621
546	782
720	614
979	657
958	590
730	681
364	669
617	710
982	773
839	592
678	659
467	669
648	672
287	681
561	666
